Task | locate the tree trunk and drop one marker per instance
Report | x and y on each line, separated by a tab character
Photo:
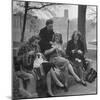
82	23
24	22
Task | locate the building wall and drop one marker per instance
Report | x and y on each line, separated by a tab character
61	24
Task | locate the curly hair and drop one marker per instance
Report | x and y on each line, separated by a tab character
28	46
33	38
57	35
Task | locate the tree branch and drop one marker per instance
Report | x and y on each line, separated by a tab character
50	4
94	13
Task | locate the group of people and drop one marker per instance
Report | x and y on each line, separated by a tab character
53	61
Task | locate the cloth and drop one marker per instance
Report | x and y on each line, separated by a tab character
72	56
38	62
71	46
59	49
45	35
47	66
77	66
27	62
62	76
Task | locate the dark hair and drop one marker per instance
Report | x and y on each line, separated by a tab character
50	21
59	35
78	34
33	38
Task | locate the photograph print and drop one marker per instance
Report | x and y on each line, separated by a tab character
54	49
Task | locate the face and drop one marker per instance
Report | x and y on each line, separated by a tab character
50	27
76	37
36	42
57	38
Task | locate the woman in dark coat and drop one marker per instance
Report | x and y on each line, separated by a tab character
75	48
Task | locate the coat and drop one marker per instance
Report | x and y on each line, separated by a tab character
71	46
46	35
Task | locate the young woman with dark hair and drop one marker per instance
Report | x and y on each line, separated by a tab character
75	49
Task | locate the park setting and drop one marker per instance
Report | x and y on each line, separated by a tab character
28	19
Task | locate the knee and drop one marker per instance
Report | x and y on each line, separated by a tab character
30	76
67	63
48	74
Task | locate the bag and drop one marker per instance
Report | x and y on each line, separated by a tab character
27	61
92	74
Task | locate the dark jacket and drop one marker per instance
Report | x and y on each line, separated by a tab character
46	35
71	46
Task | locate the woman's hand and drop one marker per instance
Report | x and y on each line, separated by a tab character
51	42
73	51
79	51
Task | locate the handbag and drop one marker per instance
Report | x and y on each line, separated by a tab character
92	74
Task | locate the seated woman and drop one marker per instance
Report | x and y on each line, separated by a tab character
29	63
60	51
54	54
25	60
75	49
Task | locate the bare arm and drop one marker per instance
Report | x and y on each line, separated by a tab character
49	51
55	78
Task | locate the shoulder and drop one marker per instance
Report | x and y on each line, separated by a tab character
43	29
70	42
